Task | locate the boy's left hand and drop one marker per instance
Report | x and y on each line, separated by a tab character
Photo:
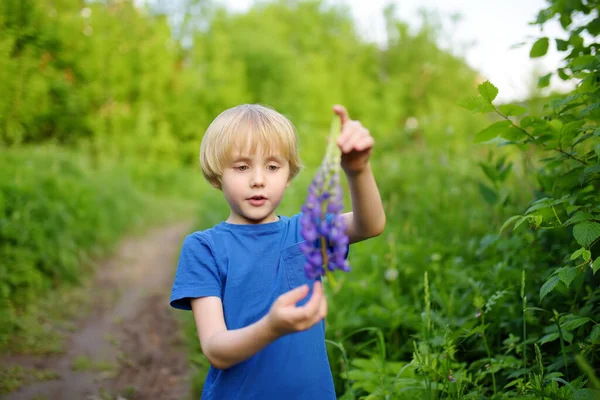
354	141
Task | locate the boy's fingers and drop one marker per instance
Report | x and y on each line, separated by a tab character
364	143
323	309
312	306
348	140
341	111
295	295
350	130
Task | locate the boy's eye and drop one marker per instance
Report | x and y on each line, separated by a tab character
241	167
273	167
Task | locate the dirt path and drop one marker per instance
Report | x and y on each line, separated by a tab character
133	341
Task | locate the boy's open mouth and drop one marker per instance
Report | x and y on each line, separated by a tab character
257	200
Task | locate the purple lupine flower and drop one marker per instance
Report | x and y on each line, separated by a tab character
323	227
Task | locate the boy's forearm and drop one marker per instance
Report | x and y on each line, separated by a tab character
367	207
227	348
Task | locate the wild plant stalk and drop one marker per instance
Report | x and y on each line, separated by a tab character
524	298
589	371
538	356
341	348
427	311
562	343
427	383
379	339
381	345
400	373
446	381
487	349
427	329
448	354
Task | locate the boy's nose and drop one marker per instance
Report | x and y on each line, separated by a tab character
258	179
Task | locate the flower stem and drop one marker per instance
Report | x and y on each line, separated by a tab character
328	273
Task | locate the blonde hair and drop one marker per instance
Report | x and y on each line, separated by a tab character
246	128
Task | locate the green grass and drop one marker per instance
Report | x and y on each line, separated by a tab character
83	363
15	376
59	216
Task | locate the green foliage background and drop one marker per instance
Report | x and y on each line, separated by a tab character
103	106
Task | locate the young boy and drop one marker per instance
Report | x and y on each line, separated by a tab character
244	278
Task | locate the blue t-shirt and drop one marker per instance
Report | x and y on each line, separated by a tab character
248	267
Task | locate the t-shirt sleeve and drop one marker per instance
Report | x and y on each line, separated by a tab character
197	274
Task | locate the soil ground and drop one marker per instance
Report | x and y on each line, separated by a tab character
129	347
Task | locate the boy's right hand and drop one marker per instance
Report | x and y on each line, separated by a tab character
285	317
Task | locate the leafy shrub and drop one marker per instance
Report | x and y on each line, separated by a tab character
55	213
468	309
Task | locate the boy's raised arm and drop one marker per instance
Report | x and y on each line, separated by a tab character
367	218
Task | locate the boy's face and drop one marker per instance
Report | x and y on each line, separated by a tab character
253	185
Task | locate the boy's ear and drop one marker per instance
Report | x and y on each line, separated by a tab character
216	184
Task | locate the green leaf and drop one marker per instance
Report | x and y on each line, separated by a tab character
571	127
556	124
489	195
532	122
590	109
581	138
594	169
487	91
595	335
574	323
582	62
597	150
567	275
569	99
596	265
489	171
492	131
504	173
576	40
543	200
577	253
539	48
561	45
538	206
594	29
572	208
513	133
586	232
549	338
475	104
534	309
519	222
568	336
563	75
544	81
586	255
512	110
544	15
579	217
509	221
548	286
